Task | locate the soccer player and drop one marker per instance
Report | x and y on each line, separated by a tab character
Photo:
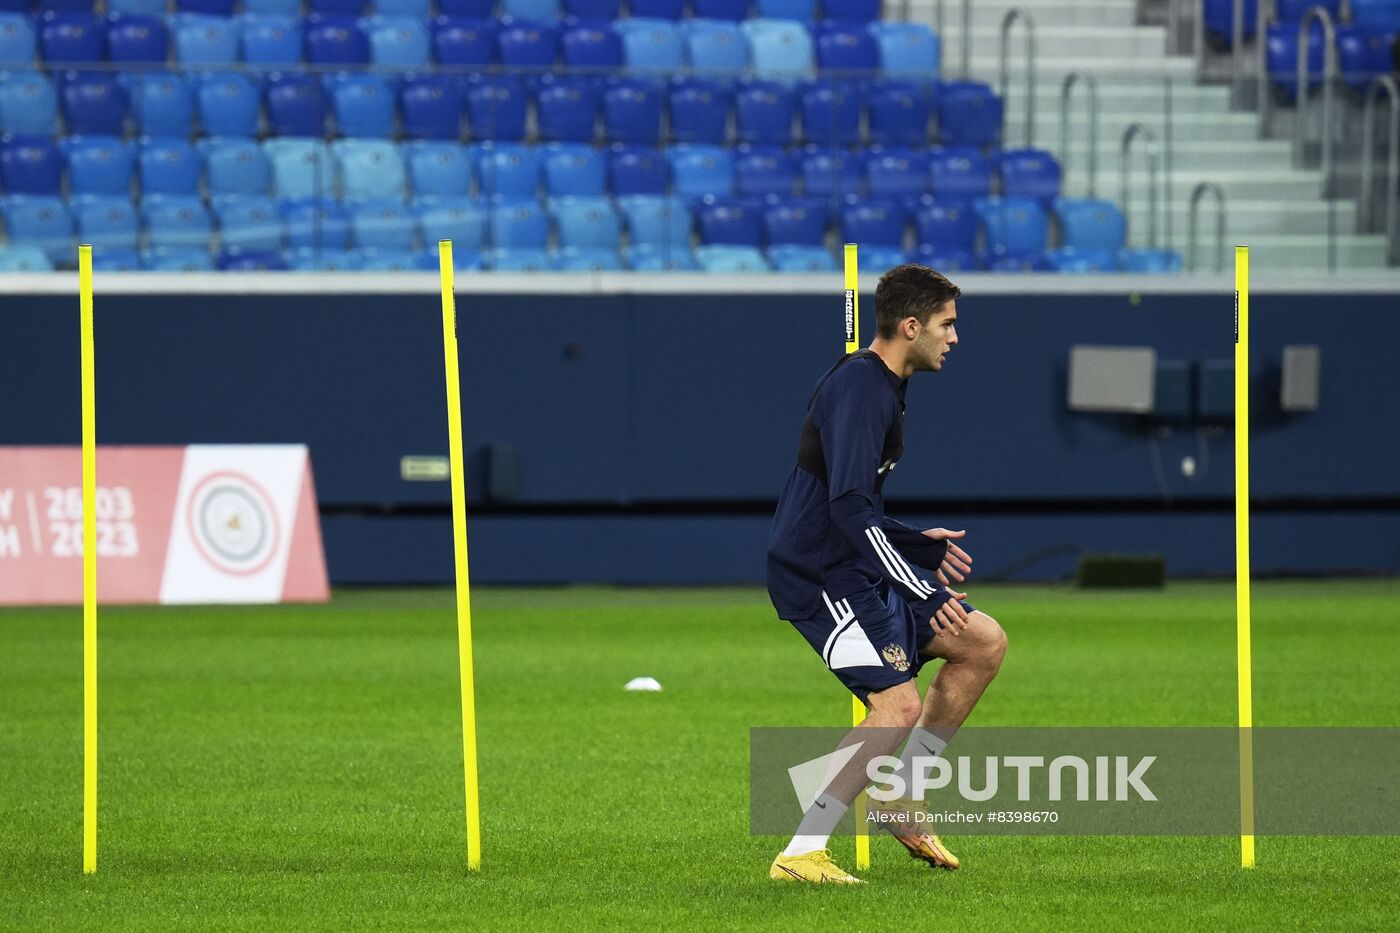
844	575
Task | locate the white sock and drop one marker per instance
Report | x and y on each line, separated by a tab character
922	744
817	825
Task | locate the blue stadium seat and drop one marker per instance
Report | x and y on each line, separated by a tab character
181	259
874	222
1082	261
342	8
851	11
310	259
137	39
960	173
1150	261
795	221
700	170
74	38
471	9
791	257
511	169
908	50
715	47
62	6
632	111
830	112
228	105
1282	58
386	260
238	260
1019	263
574	169
651	45
644	258
764	111
335	40
734	10
30	165
270	39
301	168
431	106
778	48
1220	14
591	47
588	259
1031	173
363	104
315	223
40	221
381	223
235	166
416	8
637	170
699	110
1291	11
593	9
946	227
761	171
725	259
24	258
584	222
833	174
18	42
461	219
99	165
877	260
898	173
464	42
567	109
106	221
1364	55
656	220
520	259
116	259
496	108
946	261
804	11
205	7
899	113
175	220
272	7
530	9
28	104
847	49
93	103
168	166
527	44
656	9
1375	15
296	105
161	104
969	114
438	168
248	222
139	7
729	222
397	41
369	168
1012	226
204	40
519	223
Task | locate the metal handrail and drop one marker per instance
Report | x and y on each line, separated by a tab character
1007	21
1331	73
1236	44
966	37
1387	84
1154	160
1091	84
1261	66
1197	195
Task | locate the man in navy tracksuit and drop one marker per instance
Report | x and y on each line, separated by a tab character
849	578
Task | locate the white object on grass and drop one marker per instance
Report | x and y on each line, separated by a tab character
648	684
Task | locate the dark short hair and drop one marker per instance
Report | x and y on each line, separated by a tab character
910	290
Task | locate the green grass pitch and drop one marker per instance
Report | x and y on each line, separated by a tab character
300	767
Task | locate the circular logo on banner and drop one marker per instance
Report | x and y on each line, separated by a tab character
233	523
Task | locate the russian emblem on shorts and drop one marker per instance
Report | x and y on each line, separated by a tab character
896	656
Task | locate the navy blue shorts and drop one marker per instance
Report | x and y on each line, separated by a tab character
869	655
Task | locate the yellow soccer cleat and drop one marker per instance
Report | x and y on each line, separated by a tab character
816	867
898	816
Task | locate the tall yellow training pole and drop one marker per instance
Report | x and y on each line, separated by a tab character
89	561
1242	556
459	550
852	332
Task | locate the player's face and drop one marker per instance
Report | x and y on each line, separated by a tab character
936	338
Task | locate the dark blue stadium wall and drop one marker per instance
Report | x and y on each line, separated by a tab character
652	432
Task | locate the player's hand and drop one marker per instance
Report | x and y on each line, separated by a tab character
957	563
950	618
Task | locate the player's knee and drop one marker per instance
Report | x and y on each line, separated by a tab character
991	647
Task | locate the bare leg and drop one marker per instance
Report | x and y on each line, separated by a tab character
971	660
892	712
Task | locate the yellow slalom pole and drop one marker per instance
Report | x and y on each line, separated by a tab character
1242	601
89	560
852	333
459	550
